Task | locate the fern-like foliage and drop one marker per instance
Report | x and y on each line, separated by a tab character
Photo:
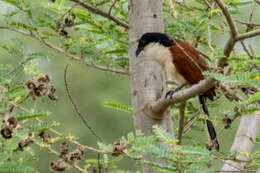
118	106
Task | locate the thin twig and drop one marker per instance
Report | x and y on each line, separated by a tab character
76	107
183	5
100	12
181	121
246	50
249	24
111	7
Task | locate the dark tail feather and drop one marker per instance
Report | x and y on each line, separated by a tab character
210	127
212	134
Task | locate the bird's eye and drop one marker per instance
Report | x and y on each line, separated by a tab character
142	42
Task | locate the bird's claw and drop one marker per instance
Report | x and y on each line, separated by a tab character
169	94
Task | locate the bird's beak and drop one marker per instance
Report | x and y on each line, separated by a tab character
138	50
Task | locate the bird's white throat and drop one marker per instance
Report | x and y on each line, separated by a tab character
163	56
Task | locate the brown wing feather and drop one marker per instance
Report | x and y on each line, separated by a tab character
189	64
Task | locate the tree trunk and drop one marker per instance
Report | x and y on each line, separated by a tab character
244	141
147	77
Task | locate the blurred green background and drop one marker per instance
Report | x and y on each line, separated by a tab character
90	88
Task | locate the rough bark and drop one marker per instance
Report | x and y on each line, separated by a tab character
147	77
244	141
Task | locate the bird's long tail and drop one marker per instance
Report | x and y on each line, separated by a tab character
210	127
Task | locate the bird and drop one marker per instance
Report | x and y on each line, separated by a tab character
183	65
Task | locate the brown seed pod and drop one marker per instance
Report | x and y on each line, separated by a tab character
23	143
13	122
59	166
64	149
73	15
6	132
69	22
118	148
45	137
30	84
64	33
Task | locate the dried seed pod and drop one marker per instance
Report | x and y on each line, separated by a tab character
64	149
23	143
6	132
13	122
74	156
59	166
69	22
30	84
45	79
45	137
227	121
64	33
73	15
118	148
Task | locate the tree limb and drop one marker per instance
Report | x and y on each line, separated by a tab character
234	35
181	121
100	12
248	34
156	109
244	141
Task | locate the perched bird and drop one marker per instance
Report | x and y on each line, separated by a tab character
183	65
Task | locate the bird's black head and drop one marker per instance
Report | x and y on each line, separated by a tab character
155	37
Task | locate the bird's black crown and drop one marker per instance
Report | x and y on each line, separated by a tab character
150	37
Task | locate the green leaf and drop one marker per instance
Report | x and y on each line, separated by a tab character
118	106
25	117
254	98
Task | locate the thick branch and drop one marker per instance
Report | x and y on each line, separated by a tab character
248	34
234	36
229	18
158	107
244	141
102	13
234	32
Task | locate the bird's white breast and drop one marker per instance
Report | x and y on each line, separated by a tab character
163	56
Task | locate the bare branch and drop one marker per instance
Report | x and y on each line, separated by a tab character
246	50
257	1
76	107
244	141
249	24
223	7
234	36
233	29
181	121
248	34
100	12
157	108
111	7
183	5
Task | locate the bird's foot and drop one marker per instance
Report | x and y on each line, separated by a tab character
170	93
